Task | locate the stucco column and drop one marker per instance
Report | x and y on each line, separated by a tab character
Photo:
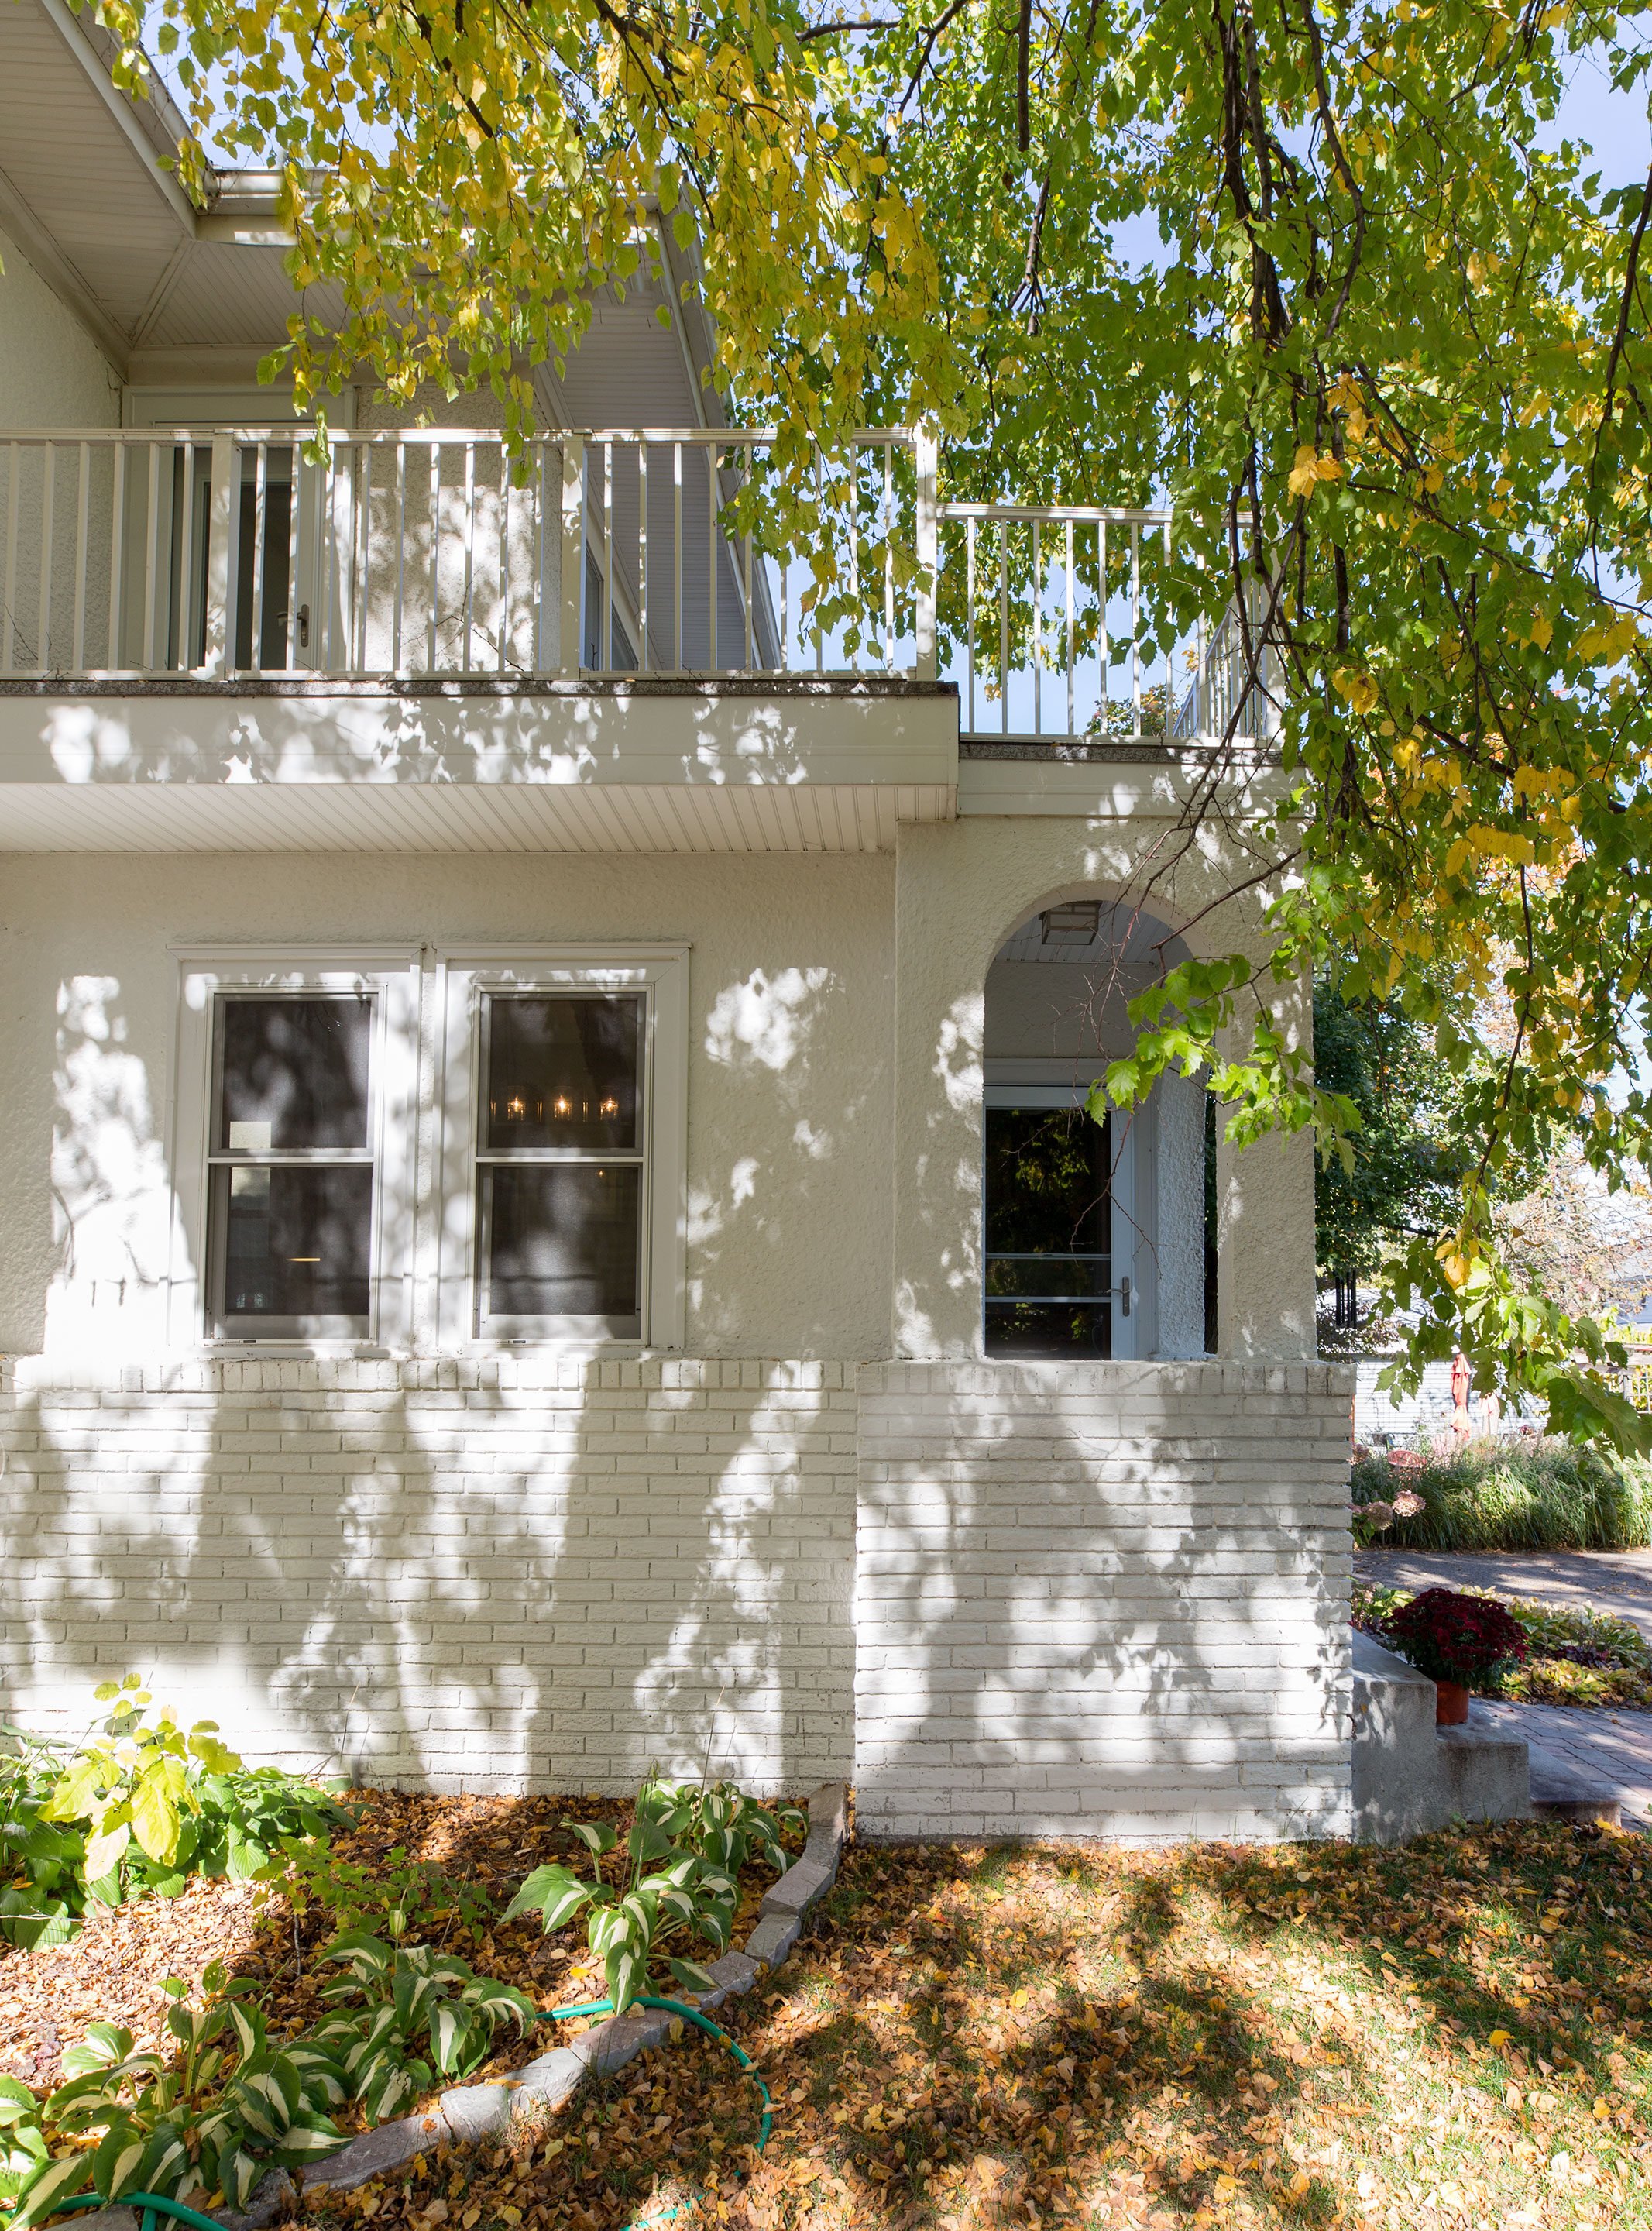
1265	1239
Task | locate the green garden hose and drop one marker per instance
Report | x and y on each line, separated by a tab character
151	2202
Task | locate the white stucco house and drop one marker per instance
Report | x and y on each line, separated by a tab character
544	1223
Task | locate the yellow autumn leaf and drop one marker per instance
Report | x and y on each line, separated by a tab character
1502	844
1310	469
1358	688
1610	639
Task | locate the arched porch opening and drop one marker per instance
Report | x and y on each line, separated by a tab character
1097	1240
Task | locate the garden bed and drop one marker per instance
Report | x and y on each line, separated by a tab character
1579	1657
1454	2034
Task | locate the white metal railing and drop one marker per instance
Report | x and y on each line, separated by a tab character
1234	688
406	554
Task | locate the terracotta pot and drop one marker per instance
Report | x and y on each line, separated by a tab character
1450	1703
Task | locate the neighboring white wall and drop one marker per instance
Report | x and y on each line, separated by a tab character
509	1574
52	373
1103	1600
789	1084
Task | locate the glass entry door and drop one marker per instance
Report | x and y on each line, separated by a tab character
1057	1283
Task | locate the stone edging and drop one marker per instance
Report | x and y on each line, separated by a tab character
472	2113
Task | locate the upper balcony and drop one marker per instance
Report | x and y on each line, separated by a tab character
628	638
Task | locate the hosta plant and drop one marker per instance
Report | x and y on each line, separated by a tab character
682	1862
231	2106
23	2143
397	2002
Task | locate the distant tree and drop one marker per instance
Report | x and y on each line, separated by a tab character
1402	1178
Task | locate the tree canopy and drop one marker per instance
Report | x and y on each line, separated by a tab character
1389	363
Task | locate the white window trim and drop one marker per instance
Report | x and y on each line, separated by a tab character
465	975
392	973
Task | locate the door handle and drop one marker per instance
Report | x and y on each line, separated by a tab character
1123	1291
304	626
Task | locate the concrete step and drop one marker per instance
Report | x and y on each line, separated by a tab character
1561	1791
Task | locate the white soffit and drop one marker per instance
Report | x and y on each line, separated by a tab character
450	818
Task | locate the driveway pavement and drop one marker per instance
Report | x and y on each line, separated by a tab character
1611	1748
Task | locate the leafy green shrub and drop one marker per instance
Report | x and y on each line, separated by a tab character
684	1853
1546	1494
139	1805
407	1994
402	1898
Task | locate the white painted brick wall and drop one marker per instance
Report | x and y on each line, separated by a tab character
514	1574
1103	1599
1099	1599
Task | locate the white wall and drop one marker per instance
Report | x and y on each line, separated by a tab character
52	373
1102	1600
789	1082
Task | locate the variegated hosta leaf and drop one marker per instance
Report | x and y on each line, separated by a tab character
251	2028
368	1955
554	1893
113	2166
103	2046
501	2001
46	2190
625	1969
454	2037
597	1836
309	2138
692	1975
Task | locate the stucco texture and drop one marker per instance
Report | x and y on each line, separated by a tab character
52	373
790	1125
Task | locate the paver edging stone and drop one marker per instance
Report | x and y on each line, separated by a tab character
472	2113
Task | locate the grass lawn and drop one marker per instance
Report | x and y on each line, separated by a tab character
1451	2034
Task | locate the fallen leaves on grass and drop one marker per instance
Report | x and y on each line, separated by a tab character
1206	2037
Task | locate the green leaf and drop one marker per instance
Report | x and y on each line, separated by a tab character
552	1892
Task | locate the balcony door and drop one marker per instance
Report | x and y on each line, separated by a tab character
1065	1262
271	522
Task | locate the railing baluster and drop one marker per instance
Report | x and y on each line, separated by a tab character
261	496
1104	648
712	570
151	562
504	556
888	559
1072	643
1135	632
750	655
183	621
676	557
435	570
470	545
1037	631
47	496
820	513
295	484
82	521
605	649
643	551
969	611
117	569
7	615
401	556
854	552
1004	623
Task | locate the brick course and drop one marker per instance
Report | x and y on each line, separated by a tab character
1088	1600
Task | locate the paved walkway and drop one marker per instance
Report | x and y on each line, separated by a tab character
1617	1580
1614	1748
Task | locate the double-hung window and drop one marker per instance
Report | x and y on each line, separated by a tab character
294	1161
564	1124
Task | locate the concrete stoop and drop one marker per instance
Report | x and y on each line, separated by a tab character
1409	1776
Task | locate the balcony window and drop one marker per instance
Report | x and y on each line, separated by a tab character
291	1166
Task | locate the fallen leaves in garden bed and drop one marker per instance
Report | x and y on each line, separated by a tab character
1454	2035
